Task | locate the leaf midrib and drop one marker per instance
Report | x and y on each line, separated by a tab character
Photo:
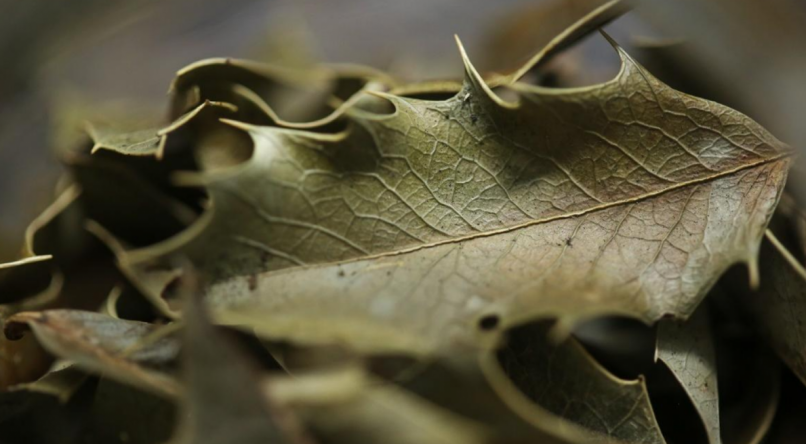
511	228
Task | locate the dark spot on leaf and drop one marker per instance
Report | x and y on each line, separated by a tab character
341	273
474	118
489	322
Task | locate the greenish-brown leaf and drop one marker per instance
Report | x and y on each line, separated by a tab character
564	379
102	344
687	349
149	141
420	224
779	306
223	402
348	407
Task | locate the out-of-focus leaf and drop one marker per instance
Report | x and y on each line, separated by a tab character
757	387
475	386
223	402
147	141
289	97
567	381
792	223
345	406
494	210
102	345
687	349
60	382
788	426
121	413
779	306
25	278
559	23
31	413
82	265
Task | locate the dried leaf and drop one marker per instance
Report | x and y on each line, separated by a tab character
779	306
222	402
101	344
288	97
121	413
567	381
148	141
687	349
61	383
493	209
348	407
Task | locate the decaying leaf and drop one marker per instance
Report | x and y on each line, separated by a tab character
779	306
688	351
101	344
147	141
222	401
567	381
347	406
493	209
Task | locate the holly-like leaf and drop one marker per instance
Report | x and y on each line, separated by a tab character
567	381
149	141
288	97
687	349
629	195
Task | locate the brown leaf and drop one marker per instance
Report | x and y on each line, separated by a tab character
564	379
222	402
779	306
101	344
421	225
687	349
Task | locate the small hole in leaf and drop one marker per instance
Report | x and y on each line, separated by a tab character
171	290
489	322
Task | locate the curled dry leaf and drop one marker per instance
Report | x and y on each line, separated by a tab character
102	344
147	141
288	97
567	381
687	349
779	306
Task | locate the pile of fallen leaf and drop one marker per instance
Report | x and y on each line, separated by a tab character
326	255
